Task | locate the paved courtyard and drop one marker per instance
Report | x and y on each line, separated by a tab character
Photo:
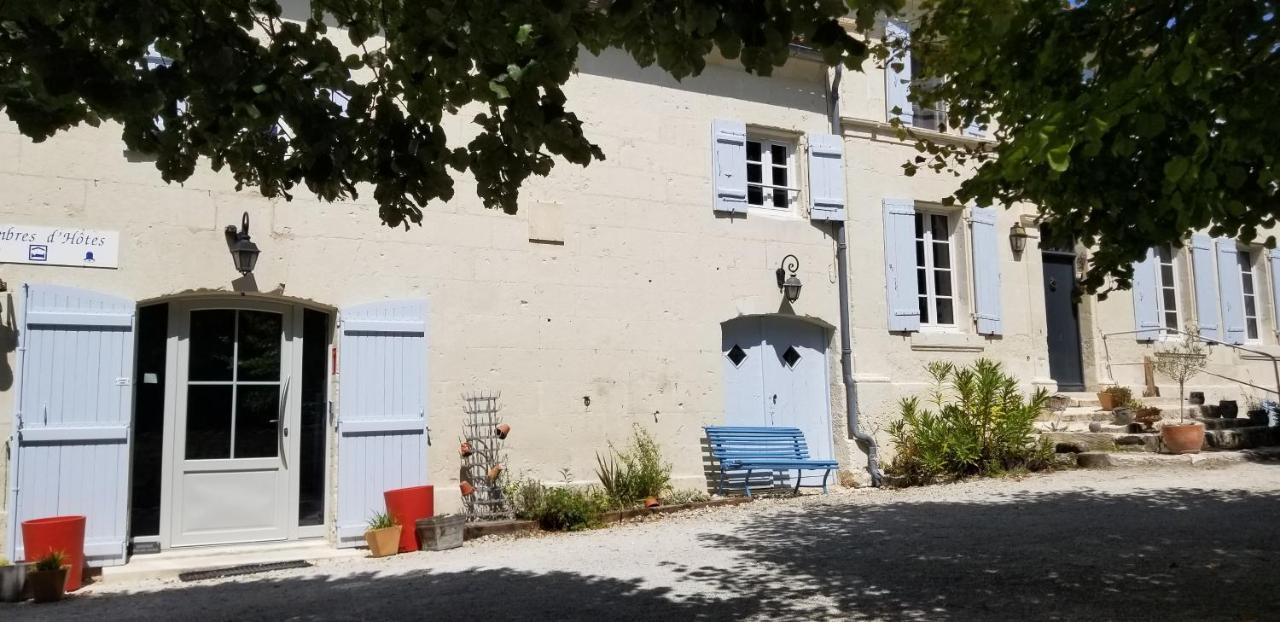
1130	544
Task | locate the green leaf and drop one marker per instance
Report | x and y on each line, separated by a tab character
1060	157
522	34
499	90
1181	73
1174	169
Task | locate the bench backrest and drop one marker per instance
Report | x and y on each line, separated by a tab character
732	442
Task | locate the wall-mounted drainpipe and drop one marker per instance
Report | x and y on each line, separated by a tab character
842	273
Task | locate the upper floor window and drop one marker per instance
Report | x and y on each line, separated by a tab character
921	116
770	173
935	272
1167	285
1248	289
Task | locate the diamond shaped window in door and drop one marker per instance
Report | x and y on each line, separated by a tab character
791	356
737	355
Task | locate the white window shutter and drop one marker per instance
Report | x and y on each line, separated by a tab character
382	408
341	99
901	290
729	165
1273	257
74	411
986	271
826	177
1206	286
1146	313
898	83
1229	291
975	130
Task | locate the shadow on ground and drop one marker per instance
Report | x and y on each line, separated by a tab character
1187	554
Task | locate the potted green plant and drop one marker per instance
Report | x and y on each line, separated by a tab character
1181	363
1147	416
383	535
47	579
13	579
1114	396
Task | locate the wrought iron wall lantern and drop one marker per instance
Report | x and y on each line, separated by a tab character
1018	238
790	285
244	253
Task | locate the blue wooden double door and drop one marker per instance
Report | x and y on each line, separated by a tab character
776	374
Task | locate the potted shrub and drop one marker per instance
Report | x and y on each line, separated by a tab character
1112	397
383	535
1146	416
13	579
47	579
1181	363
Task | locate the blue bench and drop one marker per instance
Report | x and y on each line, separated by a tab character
759	449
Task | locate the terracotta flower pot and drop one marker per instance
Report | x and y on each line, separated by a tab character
383	542
495	472
47	586
651	502
503	430
464	449
1107	401
466	488
1182	438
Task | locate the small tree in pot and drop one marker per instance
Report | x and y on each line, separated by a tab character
1181	363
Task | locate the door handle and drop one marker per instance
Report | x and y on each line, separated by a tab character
775	398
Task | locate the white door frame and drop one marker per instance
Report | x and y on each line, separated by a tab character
176	377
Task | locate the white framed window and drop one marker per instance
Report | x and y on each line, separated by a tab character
923	117
771	173
1167	285
936	268
1248	291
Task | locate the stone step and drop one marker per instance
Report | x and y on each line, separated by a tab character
1087	414
1090	399
1203	459
1115	439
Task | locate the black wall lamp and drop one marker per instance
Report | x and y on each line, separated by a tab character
1018	238
243	251
790	285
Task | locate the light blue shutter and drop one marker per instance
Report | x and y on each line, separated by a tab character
74	407
1206	289
1229	291
826	177
1273	257
341	99
729	165
973	129
902	293
986	271
1146	290
155	60
898	83
382	408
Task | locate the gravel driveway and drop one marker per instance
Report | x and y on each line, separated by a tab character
1180	544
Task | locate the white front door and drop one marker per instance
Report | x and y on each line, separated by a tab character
776	375
231	417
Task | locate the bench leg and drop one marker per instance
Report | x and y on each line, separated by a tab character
824	481
720	484
799	472
746	484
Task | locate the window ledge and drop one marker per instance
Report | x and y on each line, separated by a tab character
1251	356
880	130
947	342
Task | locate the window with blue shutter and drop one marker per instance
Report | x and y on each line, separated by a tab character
1206	286
826	177
729	165
1229	292
986	271
1146	290
901	290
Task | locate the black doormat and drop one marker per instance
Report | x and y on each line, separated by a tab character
235	571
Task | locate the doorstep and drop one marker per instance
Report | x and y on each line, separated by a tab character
169	564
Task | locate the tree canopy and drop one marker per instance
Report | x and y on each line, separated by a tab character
1129	124
271	98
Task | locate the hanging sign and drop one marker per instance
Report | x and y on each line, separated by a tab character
59	246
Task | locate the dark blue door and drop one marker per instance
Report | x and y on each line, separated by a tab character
1062	320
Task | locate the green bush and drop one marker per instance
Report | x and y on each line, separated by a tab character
560	508
978	424
629	476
